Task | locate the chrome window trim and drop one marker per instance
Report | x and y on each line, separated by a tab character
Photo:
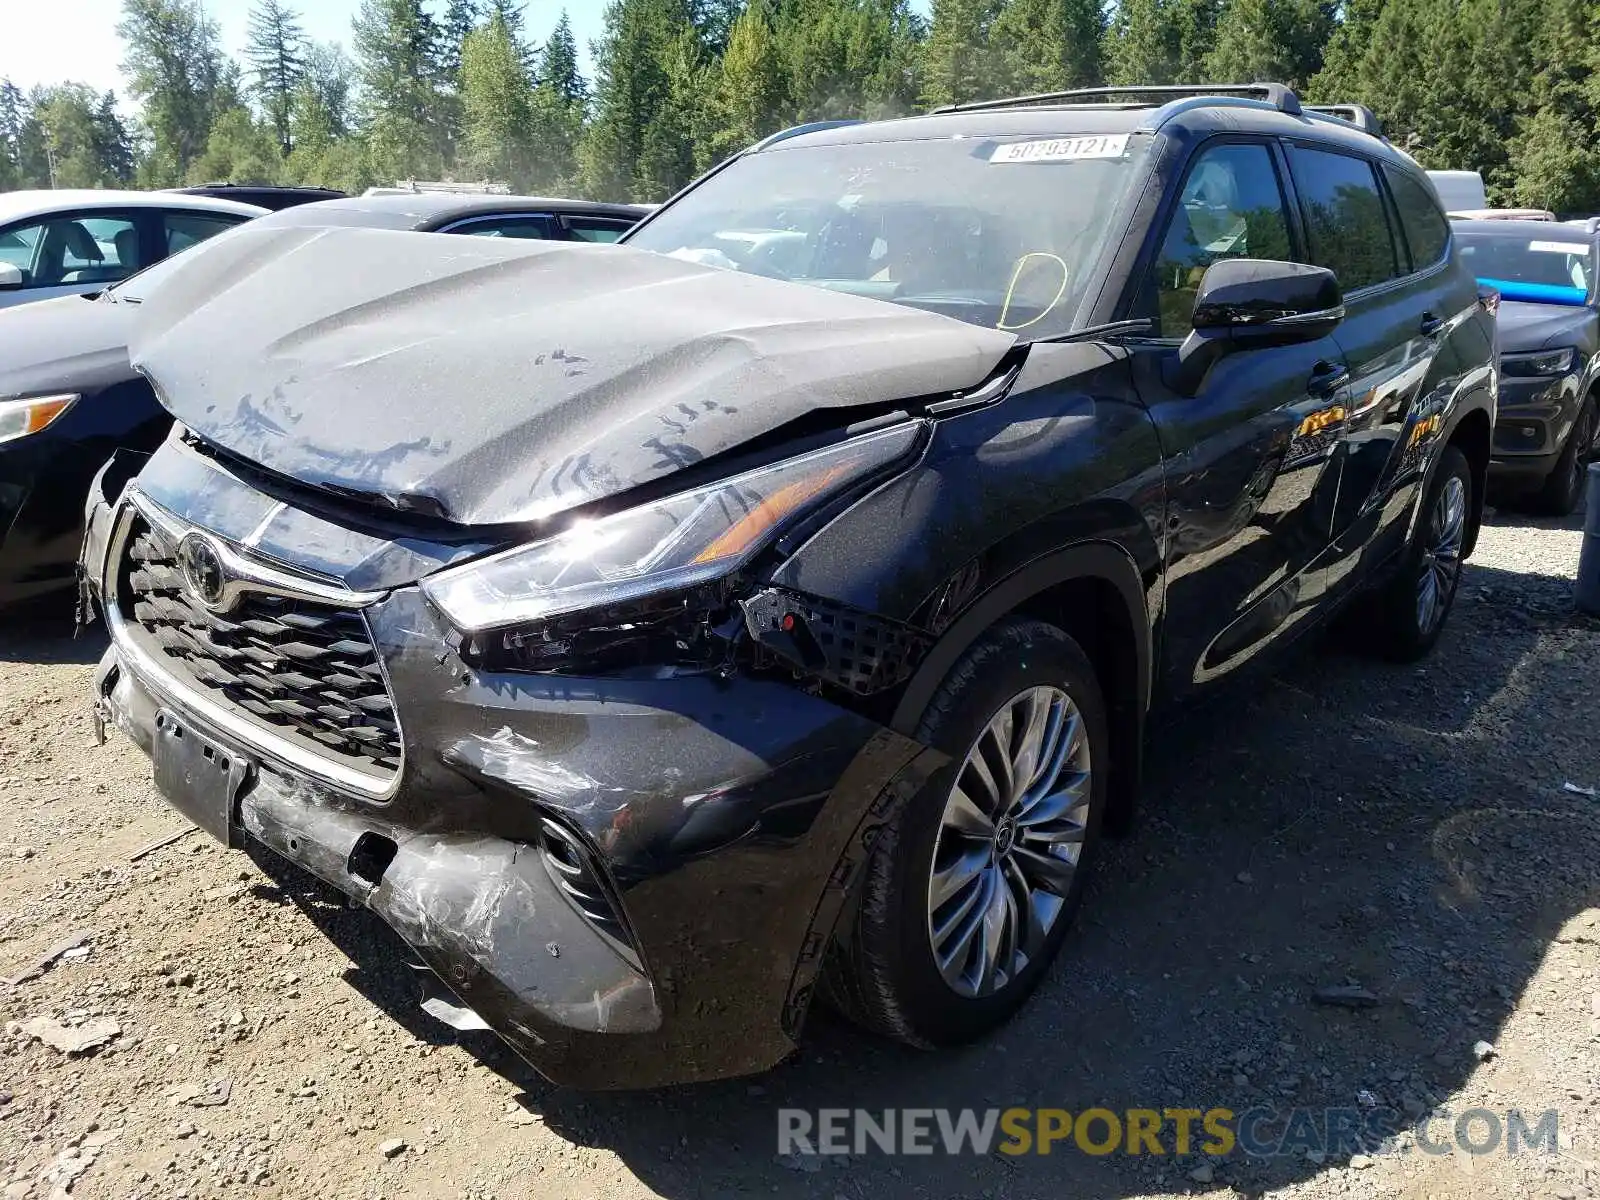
256	738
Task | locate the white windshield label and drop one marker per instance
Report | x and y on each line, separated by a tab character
1111	145
1558	247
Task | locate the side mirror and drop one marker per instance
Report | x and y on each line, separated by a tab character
1252	304
10	277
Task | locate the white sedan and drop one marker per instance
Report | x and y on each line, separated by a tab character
58	243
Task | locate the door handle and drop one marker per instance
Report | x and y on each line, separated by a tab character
1431	324
1327	377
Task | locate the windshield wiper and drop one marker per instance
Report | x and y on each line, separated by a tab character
1096	332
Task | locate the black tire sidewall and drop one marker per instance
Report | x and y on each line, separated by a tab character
1407	639
1564	488
1038	655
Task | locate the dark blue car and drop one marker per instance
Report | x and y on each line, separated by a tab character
1549	321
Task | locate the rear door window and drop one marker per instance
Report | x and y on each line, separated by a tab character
1426	229
595	229
1346	219
184	229
535	228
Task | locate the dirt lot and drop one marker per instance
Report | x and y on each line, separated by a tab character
1405	830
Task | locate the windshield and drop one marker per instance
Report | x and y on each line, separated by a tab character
1550	268
996	233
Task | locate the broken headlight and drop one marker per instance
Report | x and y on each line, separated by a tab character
673	544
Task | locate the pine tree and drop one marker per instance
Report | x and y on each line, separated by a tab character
558	64
275	53
1050	45
510	14
957	61
634	100
239	149
1161	41
177	70
667	154
750	91
460	18
1280	40
496	105
401	109
113	142
13	113
559	102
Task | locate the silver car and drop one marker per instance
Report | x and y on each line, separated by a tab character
60	243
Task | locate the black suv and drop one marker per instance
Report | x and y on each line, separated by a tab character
657	635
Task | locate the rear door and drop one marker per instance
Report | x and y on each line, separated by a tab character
1399	305
1250	489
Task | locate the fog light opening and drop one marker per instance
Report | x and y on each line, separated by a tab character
370	857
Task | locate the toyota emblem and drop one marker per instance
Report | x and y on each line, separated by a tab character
200	561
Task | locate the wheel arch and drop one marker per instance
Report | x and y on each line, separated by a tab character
1093	592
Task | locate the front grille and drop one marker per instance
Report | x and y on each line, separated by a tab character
306	669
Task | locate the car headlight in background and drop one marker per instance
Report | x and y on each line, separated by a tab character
19	418
1540	362
678	542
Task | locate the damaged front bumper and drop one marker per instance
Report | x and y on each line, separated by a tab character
632	881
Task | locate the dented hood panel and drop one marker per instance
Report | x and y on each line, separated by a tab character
494	381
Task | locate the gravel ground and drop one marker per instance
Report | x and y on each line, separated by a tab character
1345	822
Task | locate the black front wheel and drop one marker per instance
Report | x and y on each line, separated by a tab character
973	882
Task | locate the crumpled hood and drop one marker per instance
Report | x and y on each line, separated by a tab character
494	381
1537	326
68	344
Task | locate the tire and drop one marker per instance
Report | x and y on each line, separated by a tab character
883	972
1564	487
1408	627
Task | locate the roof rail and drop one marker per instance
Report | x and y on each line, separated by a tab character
1359	115
784	135
1279	95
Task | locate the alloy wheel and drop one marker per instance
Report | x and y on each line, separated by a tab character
1009	842
1441	557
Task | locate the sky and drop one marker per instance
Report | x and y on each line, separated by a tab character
56	41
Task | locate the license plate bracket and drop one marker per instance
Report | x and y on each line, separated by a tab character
199	777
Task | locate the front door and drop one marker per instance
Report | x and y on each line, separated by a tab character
1250	489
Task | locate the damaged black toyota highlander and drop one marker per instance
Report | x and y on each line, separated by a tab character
659	635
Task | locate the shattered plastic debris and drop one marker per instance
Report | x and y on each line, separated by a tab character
201	1095
72	1039
46	960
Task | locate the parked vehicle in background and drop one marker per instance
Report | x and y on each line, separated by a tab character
647	640
1549	320
63	243
538	218
274	198
69	399
1460	191
1504	214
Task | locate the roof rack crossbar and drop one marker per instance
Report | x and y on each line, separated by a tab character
1279	95
1359	115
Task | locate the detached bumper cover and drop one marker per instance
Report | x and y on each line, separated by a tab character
723	822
